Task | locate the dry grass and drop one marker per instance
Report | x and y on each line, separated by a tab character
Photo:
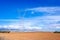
30	36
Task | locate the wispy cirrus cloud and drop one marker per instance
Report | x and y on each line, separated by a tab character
49	10
48	22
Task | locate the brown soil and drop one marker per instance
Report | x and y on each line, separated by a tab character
30	36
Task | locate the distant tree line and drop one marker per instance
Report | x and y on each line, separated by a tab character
4	31
57	32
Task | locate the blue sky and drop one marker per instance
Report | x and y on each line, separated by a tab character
8	8
38	15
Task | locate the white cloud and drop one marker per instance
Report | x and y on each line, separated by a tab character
0	26
11	26
43	22
58	27
12	20
37	22
45	9
5	26
32	28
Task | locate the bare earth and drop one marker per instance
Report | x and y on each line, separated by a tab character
30	36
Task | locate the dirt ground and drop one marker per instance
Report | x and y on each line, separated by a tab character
30	36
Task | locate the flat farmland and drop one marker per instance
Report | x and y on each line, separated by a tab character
30	36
